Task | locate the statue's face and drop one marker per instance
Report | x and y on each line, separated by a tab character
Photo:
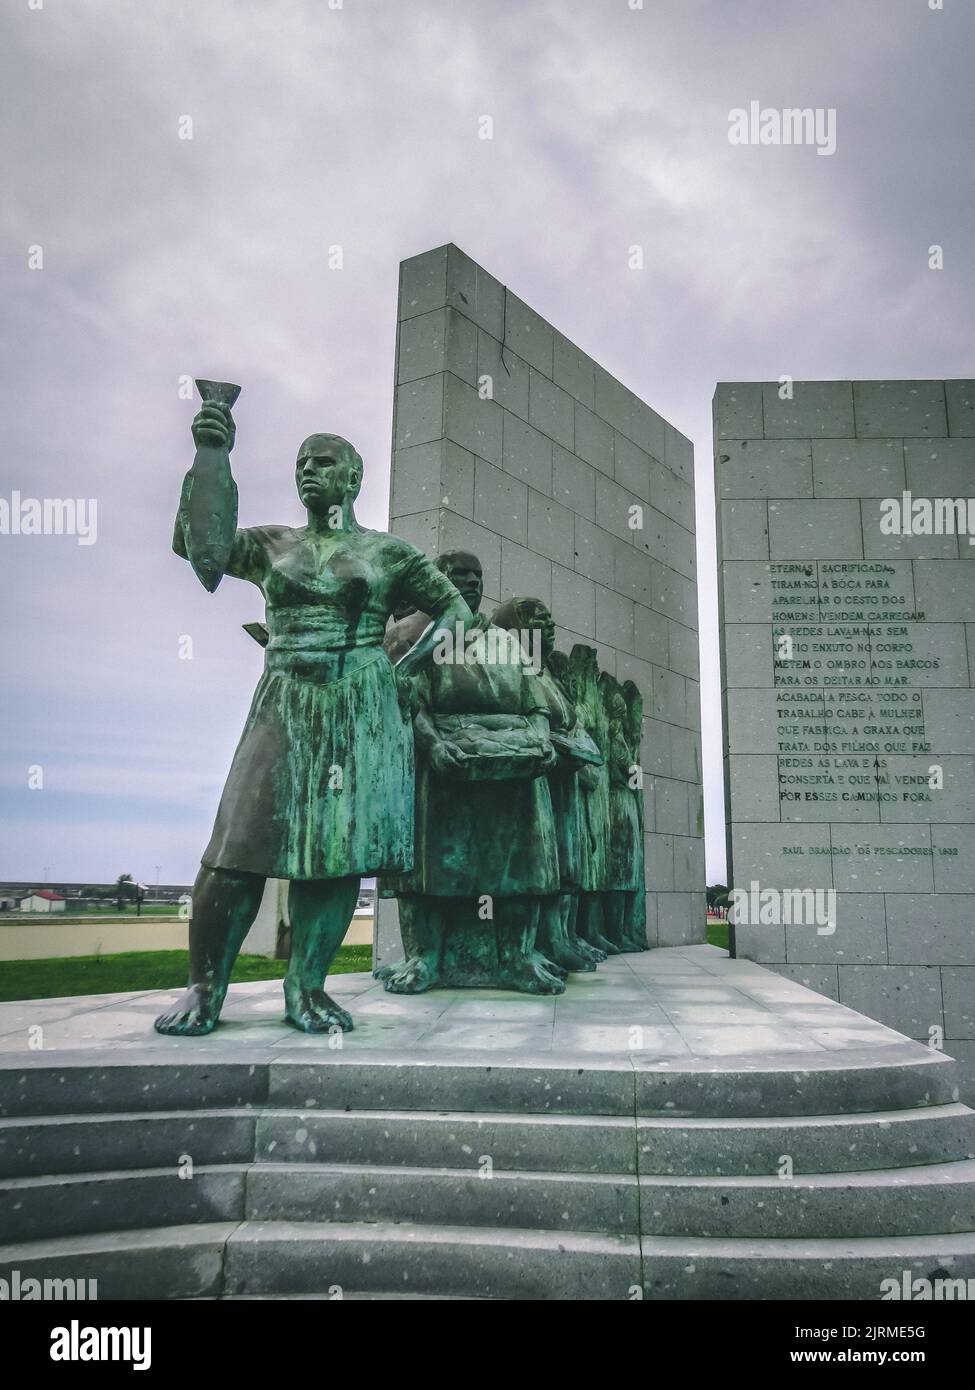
541	621
465	574
324	474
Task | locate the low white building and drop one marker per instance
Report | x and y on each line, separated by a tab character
41	900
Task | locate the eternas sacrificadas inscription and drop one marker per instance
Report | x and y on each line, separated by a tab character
845	656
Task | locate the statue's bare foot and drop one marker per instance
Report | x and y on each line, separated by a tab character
633	943
553	967
412	977
314	1011
588	951
603	943
194	1014
569	957
383	972
529	976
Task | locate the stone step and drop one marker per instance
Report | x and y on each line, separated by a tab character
604	1144
691	1267
348	1296
675	1145
286	1257
152	1263
828	1083
421	1139
276	1259
530	1086
814	1144
451	1196
75	1204
931	1199
78	1087
43	1145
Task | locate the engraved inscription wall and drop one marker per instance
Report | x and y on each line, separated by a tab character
848	656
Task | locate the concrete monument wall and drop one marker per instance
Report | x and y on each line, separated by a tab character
509	441
848	657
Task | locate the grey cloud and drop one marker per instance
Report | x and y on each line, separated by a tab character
315	127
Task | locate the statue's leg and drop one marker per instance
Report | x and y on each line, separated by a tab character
423	934
320	910
406	906
617	920
635	921
225	904
570	916
553	938
520	965
591	923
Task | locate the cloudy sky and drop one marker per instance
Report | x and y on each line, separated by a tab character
315	124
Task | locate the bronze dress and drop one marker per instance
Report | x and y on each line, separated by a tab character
322	782
594	786
624	872
482	837
563	782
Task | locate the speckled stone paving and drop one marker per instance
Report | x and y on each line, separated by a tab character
672	1004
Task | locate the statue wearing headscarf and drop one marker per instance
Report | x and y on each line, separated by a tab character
485	846
624	892
577	755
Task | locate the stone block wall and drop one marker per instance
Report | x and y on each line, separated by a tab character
834	748
511	442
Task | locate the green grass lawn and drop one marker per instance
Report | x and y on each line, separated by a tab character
718	934
136	970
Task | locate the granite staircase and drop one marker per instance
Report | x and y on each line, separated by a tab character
530	1179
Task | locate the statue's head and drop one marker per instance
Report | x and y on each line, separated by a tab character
328	472
634	712
558	663
583	677
527	615
464	571
612	696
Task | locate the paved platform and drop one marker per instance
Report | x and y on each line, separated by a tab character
634	1128
669	1006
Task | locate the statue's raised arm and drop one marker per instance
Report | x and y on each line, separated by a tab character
206	524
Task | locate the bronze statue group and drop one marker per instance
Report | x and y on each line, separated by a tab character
497	798
528	841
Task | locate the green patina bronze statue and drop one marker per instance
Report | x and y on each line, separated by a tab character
612	905
577	758
624	898
486	849
583	684
320	791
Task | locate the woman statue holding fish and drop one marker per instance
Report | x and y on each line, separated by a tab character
320	791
